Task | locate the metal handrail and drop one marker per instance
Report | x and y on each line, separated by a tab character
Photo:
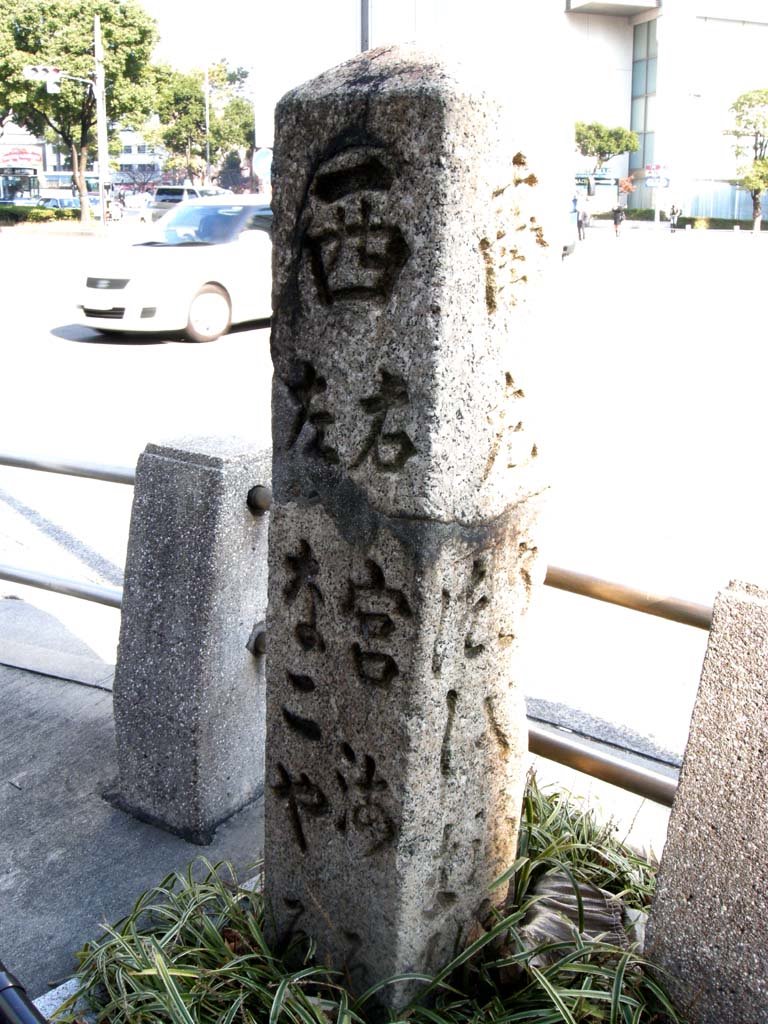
92	470
566	749
672	608
555	745
112	596
15	1005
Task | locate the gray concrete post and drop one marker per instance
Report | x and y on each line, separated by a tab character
188	695
403	548
708	925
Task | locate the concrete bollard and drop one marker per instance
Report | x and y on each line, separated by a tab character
708	926
403	547
189	695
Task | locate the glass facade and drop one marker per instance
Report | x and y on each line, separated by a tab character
642	119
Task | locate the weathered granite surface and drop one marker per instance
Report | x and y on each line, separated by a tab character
189	698
708	926
402	542
403	235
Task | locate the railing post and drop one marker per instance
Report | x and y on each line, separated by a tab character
189	695
708	928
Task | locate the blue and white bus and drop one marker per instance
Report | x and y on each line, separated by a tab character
55	182
19	184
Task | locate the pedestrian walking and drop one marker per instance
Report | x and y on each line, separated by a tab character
582	219
674	213
618	219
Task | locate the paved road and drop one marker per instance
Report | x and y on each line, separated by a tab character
72	393
648	367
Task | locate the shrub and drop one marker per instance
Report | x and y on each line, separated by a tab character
39	215
12	214
34	215
644	214
193	950
718	223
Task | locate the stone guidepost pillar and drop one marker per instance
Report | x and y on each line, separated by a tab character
708	926
188	697
402	541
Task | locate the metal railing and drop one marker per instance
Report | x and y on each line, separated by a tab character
92	470
15	1005
558	746
672	608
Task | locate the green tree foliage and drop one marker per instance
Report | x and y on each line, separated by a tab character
233	129
59	33
181	107
230	175
750	131
599	142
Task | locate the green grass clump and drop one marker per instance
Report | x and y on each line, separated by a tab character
193	951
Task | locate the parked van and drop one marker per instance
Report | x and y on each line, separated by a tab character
166	197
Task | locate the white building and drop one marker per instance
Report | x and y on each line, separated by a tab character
139	164
674	68
668	69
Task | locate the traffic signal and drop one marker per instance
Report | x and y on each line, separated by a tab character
52	76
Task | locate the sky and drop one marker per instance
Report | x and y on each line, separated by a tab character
282	44
290	41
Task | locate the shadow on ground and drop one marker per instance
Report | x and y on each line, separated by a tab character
69	861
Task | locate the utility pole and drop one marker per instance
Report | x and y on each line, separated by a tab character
365	25
207	128
102	145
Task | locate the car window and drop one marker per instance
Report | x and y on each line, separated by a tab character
259	221
200	224
214	228
169	195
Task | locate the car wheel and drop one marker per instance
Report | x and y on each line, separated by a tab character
210	314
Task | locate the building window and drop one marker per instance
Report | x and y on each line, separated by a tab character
141	149
127	149
642	119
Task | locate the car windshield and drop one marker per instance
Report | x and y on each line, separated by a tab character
193	224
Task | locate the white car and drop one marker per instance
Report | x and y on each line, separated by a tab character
166	197
204	266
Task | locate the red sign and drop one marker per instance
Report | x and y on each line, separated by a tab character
20	156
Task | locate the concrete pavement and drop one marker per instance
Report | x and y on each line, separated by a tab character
70	862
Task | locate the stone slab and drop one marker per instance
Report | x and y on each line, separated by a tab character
189	696
402	543
404	236
708	927
396	733
33	639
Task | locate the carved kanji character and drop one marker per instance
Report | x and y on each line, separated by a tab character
308	391
389	450
304	568
364	811
356	252
377	608
303	797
